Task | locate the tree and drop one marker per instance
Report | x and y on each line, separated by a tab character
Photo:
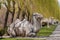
19	8
13	11
0	5
7	13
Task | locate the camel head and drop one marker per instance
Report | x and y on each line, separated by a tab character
38	16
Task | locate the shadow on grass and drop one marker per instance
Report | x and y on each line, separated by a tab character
2	38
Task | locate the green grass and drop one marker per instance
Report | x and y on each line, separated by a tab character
44	31
22	39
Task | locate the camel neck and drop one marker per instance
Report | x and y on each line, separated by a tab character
36	24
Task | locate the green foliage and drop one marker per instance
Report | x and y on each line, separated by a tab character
49	8
2	32
44	31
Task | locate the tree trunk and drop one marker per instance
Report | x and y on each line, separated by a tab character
13	11
23	15
6	19
0	5
12	16
19	10
28	15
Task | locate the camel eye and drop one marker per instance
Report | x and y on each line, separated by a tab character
38	18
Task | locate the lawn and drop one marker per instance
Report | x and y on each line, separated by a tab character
22	39
44	31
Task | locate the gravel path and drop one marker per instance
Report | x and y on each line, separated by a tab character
55	35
